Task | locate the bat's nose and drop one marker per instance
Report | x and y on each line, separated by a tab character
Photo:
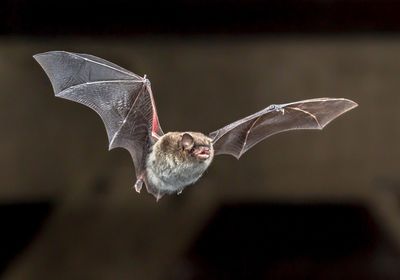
202	152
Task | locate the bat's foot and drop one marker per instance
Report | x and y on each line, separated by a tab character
138	185
179	192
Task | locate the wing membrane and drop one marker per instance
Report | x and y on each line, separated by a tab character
237	138
122	99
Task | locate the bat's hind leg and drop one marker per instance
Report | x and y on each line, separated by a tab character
139	184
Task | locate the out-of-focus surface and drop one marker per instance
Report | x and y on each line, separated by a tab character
300	205
56	151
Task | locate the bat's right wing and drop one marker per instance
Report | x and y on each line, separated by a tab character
238	137
123	99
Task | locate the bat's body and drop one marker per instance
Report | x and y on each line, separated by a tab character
173	165
167	163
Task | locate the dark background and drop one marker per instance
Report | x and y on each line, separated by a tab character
122	17
301	205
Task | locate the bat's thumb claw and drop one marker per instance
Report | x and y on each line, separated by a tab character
138	185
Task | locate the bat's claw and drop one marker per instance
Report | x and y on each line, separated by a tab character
179	192
145	80
277	108
138	185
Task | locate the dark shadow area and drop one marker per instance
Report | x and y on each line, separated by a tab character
20	223
121	17
289	241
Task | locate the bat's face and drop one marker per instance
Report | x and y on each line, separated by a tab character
187	147
196	146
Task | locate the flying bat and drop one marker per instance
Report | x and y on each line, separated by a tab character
168	162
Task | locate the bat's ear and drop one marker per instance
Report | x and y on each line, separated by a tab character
187	141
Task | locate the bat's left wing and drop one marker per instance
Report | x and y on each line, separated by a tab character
238	137
122	99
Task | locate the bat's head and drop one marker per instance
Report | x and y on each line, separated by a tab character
197	146
187	147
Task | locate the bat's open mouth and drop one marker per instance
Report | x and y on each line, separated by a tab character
202	152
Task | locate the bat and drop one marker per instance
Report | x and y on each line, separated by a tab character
168	162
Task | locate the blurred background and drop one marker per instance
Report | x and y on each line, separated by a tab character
300	205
